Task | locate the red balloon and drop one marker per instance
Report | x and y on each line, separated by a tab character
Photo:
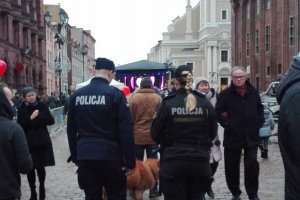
3	67
125	89
19	67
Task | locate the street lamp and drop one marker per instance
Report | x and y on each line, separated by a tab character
47	17
59	40
84	52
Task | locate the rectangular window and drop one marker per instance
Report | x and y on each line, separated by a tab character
247	44
292	31
256	41
16	33
268	4
224	15
25	37
248	10
268	72
257	83
224	55
257	6
267	38
279	69
4	26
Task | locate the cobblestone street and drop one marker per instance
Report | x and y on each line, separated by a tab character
61	181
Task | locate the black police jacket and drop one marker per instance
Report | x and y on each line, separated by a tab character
99	124
183	134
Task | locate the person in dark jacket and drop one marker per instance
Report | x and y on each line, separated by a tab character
185	126
240	112
14	153
100	135
34	116
288	96
72	89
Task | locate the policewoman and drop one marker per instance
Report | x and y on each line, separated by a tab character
184	126
100	135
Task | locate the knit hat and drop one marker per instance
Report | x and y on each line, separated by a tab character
146	83
199	80
104	63
26	90
180	71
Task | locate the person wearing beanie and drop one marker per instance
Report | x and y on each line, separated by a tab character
100	135
202	86
184	126
34	116
143	104
241	113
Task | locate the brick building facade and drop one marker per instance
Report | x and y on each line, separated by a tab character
265	37
22	44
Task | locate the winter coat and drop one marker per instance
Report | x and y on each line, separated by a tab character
100	125
44	155
183	134
241	117
14	153
143	105
266	130
288	96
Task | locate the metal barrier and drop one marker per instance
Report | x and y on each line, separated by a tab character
59	119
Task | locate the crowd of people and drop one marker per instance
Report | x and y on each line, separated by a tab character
107	132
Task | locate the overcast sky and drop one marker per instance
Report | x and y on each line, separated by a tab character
125	30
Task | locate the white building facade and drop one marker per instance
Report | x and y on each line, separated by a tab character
200	38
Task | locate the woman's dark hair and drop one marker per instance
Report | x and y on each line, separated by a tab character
5	107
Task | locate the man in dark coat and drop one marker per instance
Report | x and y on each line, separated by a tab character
14	153
288	96
100	135
240	112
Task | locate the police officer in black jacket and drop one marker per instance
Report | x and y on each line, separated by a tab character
100	134
185	126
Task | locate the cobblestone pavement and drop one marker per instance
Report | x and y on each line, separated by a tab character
61	181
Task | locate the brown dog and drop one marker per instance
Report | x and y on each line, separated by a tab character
142	178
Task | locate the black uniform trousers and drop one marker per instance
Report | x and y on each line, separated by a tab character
232	158
94	175
184	179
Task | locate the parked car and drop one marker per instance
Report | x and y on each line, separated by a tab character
269	97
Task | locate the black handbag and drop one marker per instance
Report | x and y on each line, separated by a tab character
37	139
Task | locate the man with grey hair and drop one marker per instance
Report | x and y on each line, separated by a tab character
240	112
100	135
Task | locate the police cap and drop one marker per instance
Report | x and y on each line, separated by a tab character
104	63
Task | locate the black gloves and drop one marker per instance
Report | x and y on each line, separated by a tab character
72	159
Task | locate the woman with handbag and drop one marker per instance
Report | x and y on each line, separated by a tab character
34	116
